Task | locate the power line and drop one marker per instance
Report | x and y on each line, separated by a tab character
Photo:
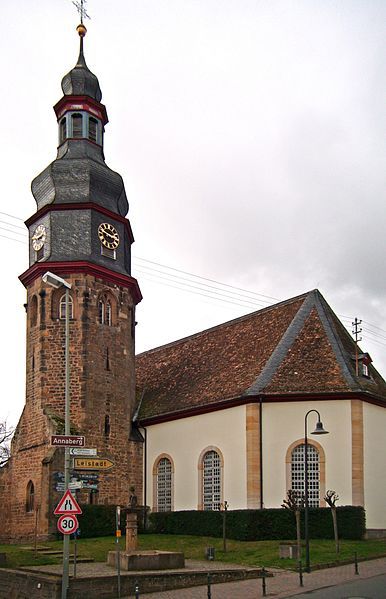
12	216
199	285
10	231
206	279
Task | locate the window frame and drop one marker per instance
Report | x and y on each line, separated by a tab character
201	476
162	456
322	467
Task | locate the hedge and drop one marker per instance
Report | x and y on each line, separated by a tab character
259	525
99	520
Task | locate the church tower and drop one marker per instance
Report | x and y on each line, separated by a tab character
80	233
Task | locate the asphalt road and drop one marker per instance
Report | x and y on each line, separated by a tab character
370	588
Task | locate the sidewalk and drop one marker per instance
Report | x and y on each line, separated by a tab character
283	584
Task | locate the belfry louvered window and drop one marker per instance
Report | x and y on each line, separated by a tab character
211	480
77	125
164	485
92	129
297	473
63	130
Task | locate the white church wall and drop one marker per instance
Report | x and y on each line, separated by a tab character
283	424
185	439
374	424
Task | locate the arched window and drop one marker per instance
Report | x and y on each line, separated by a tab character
164	485
297	472
108	313
77	125
62	130
211	480
101	312
105	311
34	311
62	307
92	129
30	499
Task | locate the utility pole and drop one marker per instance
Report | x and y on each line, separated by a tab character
356	330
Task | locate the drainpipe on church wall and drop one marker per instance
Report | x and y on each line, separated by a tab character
261	450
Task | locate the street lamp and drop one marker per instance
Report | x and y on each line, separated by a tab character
319	430
57	282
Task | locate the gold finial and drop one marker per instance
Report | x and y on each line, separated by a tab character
81	29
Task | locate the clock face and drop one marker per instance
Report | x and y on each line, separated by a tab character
39	237
108	236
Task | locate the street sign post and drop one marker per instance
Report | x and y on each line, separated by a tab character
92	464
83	451
68	440
68	524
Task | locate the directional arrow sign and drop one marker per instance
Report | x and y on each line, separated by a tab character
92	464
83	451
67	505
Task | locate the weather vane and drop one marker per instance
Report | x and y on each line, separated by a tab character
80	7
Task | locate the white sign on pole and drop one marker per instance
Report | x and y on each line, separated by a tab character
83	451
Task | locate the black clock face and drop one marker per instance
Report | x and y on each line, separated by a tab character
108	236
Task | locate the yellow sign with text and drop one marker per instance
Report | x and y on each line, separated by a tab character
92	464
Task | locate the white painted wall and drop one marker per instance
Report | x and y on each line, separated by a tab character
283	423
185	439
374	424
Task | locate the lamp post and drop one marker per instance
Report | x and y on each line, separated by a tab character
319	430
57	282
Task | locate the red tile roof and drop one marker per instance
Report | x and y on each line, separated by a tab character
298	346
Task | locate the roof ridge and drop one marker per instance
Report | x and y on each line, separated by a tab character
328	319
227	323
281	350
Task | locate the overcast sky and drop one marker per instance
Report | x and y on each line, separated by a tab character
250	136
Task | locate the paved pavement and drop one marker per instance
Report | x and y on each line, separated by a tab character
283	584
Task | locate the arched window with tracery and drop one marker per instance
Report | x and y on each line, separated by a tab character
62	307
211	480
105	311
298	472
164	475
30	497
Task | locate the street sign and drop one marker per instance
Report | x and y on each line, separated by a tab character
73	486
67	440
59	476
67	505
68	524
92	464
83	451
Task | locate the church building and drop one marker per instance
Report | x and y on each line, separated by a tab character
219	416
225	413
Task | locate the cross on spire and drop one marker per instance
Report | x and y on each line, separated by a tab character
80	7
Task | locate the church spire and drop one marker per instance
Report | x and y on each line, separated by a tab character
80	81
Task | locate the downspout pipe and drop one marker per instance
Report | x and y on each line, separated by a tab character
261	450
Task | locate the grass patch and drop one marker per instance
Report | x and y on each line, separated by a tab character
249	553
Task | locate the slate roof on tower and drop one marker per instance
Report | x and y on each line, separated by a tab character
296	349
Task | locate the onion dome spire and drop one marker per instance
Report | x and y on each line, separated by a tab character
80	81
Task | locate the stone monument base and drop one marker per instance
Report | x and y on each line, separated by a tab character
147	560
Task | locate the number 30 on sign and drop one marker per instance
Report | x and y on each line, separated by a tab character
68	524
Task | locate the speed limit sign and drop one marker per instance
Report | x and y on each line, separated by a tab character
68	524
